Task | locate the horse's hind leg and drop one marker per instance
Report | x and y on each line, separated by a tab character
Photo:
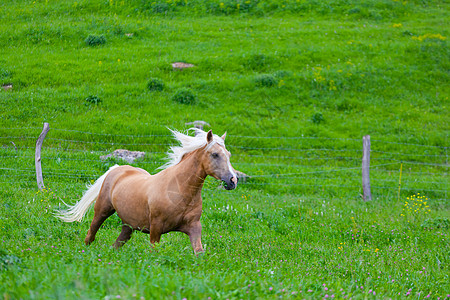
124	236
102	210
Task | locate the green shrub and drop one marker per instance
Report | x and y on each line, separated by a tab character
266	80
317	118
184	96
354	10
93	100
155	84
95	40
257	62
160	7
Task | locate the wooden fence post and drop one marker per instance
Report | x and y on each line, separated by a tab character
37	158
366	168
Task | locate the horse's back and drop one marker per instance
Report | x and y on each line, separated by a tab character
125	188
129	170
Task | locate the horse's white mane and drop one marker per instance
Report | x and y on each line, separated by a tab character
188	144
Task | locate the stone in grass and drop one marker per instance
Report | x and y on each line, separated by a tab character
181	66
7	87
128	156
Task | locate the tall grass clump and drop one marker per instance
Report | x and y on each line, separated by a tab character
266	80
95	40
93	100
317	118
257	62
185	96
155	84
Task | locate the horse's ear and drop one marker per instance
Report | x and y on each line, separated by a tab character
224	136
209	136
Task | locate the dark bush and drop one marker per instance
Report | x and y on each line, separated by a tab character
95	40
257	62
155	84
266	80
93	100
317	118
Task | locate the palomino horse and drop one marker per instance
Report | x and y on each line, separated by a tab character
167	201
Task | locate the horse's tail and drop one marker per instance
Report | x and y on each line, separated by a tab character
77	211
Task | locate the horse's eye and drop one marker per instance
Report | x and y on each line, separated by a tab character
215	155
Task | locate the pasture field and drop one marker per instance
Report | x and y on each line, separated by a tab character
296	84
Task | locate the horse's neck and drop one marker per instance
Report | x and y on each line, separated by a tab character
190	174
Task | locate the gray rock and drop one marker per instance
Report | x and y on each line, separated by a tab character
128	156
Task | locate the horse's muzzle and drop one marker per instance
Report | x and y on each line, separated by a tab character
231	183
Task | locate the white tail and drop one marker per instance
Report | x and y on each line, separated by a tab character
76	212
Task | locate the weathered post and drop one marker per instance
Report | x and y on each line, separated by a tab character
37	158
366	168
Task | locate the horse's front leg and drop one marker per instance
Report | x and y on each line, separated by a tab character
195	235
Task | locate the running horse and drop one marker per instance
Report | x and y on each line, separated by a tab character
156	204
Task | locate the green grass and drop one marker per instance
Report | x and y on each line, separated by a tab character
296	84
254	242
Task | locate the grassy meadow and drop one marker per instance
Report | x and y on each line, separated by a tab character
296	84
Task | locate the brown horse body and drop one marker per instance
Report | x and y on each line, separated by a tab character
167	201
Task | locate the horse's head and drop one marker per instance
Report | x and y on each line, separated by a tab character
216	161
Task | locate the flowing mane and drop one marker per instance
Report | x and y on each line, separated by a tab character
188	144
